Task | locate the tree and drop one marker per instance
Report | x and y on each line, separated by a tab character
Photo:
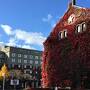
4	71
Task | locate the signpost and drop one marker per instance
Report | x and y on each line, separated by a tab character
14	82
3	74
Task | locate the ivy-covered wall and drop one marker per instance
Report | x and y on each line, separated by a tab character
66	60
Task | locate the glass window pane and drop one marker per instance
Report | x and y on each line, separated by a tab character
19	55
25	61
65	33
78	28
36	62
31	61
31	56
83	27
13	59
19	60
25	56
13	54
36	57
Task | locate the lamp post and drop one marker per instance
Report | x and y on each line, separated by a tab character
3	74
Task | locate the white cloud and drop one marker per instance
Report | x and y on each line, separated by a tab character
7	29
28	47
34	38
12	42
28	38
1	43
48	18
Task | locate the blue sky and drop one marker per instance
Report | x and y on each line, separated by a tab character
27	23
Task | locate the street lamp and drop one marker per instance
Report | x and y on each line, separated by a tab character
3	74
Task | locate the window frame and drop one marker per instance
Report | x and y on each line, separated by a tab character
25	56
31	57
19	61
19	55
37	57
36	62
13	60
84	28
79	31
13	54
31	61
62	34
25	61
65	33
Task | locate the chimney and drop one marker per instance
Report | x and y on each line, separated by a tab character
73	2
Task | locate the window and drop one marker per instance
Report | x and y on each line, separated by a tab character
25	66
24	71
13	60
83	27
13	54
25	61
36	62
31	61
30	71
41	62
31	56
79	28
36	72
62	34
40	57
19	55
12	65
30	66
1	55
25	56
65	33
19	66
19	60
36	57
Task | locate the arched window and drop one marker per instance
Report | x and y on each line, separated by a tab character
65	33
79	28
62	34
84	26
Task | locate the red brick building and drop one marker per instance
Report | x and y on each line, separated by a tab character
66	56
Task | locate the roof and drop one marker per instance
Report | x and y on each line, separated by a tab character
73	16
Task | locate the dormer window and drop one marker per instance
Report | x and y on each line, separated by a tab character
62	34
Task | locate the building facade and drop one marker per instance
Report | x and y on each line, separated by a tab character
26	60
22	58
66	57
3	58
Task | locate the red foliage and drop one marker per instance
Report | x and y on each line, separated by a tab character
64	58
